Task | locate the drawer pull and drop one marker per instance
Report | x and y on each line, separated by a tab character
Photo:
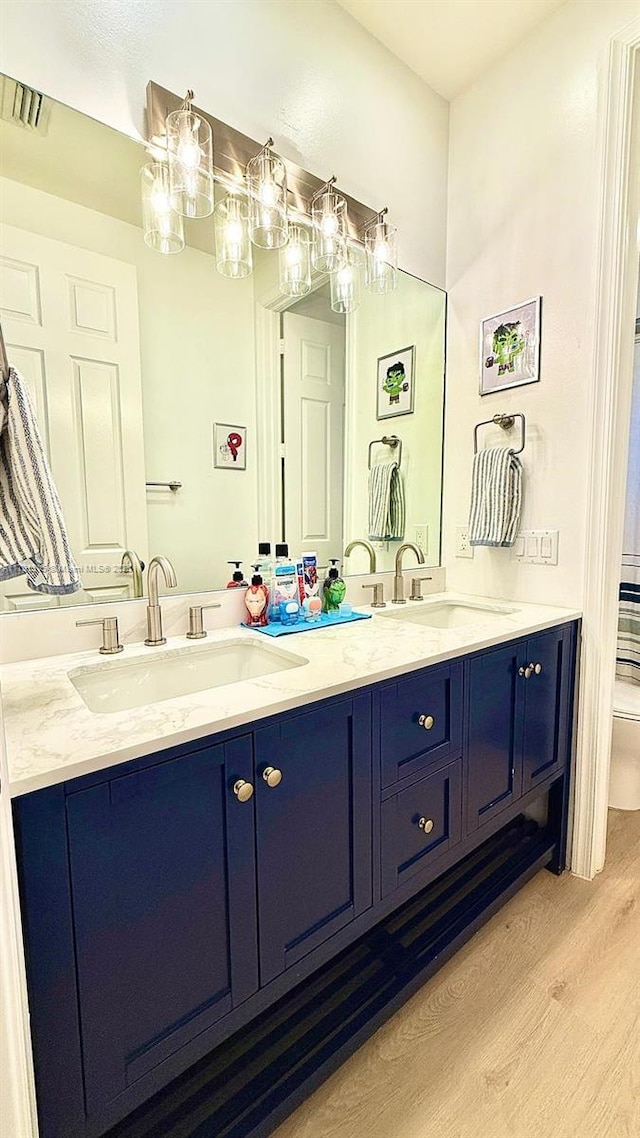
243	790
272	776
426	721
537	668
426	824
526	672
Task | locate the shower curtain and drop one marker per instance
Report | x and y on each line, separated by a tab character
628	654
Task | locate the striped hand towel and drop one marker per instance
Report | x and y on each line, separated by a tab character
496	497
628	654
33	538
386	502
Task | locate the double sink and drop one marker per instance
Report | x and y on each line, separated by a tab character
124	685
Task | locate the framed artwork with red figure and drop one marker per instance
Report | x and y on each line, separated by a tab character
229	447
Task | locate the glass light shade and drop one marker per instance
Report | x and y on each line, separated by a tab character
234	257
295	263
381	243
267	183
163	227
329	215
346	283
190	152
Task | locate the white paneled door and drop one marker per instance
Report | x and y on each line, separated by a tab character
70	320
313	401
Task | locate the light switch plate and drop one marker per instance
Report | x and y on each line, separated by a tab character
464	547
537	547
421	537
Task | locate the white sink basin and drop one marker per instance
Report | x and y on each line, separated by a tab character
448	614
122	685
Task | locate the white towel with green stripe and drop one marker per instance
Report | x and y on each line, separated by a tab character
386	502
496	497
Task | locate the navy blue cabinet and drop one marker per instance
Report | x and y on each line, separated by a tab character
163	893
313	829
518	729
169	901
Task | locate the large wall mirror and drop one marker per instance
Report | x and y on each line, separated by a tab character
144	369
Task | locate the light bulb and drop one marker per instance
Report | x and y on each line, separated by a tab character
381	251
329	225
234	231
189	154
268	192
160	200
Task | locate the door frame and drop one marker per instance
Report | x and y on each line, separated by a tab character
610	388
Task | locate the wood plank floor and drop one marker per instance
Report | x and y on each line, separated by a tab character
531	1031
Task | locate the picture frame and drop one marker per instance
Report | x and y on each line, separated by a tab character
396	383
229	446
510	347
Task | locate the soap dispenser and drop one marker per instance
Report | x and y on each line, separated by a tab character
333	590
237	581
256	599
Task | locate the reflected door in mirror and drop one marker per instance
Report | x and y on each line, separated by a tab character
71	323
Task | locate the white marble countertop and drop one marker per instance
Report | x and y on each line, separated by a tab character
52	736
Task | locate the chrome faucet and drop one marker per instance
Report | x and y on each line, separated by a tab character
398	580
131	563
365	545
154	613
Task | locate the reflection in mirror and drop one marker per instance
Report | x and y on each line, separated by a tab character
195	416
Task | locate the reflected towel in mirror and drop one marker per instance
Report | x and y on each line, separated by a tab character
386	502
33	537
496	497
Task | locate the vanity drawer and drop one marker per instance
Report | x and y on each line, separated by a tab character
421	722
420	824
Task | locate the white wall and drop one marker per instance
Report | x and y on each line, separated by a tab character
523	205
198	367
334	99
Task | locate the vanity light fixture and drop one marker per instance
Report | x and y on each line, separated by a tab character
329	216
381	244
295	263
267	185
346	282
162	225
190	155
234	257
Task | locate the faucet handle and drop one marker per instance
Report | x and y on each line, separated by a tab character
110	641
416	592
196	627
378	601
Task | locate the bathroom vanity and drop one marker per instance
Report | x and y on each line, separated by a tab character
221	907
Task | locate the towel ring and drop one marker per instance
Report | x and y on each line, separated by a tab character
389	441
507	422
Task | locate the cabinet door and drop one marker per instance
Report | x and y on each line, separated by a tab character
313	829
494	760
163	896
546	729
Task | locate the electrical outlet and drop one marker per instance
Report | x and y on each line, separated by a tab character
464	547
421	537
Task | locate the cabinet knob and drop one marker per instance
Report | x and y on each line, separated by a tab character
272	776
243	790
426	721
426	824
527	671
537	668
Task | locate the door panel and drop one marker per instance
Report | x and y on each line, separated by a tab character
70	319
164	923
313	830
545	709
313	401
435	696
496	704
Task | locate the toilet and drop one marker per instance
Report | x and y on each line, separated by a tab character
624	784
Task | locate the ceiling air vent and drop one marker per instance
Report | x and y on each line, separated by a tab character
25	106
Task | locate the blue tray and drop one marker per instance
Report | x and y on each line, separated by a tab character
325	621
